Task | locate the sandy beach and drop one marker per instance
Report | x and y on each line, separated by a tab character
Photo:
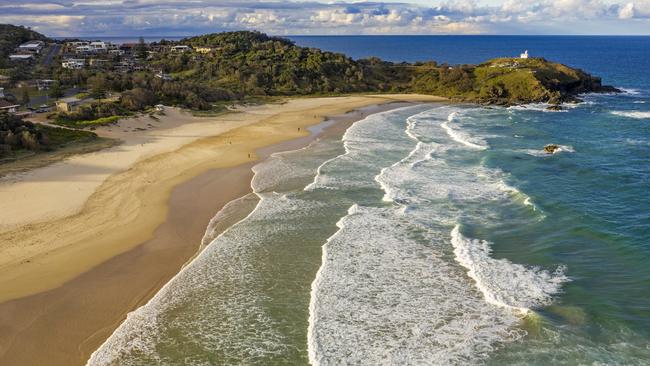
88	239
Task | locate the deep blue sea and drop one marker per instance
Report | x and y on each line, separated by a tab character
433	234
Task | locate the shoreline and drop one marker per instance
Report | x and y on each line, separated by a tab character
86	308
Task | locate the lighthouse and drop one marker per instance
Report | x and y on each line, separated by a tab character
524	55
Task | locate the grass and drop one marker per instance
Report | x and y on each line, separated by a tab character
63	143
103	121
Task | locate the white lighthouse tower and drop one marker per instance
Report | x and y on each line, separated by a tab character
524	55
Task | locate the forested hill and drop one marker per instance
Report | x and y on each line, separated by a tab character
229	66
11	36
252	63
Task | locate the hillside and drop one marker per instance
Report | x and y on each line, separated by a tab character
509	81
231	65
11	36
222	67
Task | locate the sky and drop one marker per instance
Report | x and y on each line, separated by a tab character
290	17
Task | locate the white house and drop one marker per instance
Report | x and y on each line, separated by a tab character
6	106
117	52
524	55
83	49
163	76
31	47
73	63
99	46
21	57
181	48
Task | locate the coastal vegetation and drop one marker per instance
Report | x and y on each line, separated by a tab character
18	137
206	73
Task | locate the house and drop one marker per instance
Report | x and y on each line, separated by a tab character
163	76
181	48
118	52
68	104
73	63
4	79
128	47
99	46
22	57
6	106
524	55
203	49
78	43
97	62
33	47
44	84
83	49
123	66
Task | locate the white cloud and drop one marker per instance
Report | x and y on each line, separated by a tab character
166	17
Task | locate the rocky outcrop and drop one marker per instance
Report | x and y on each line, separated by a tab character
551	148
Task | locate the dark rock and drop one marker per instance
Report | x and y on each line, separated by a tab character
551	148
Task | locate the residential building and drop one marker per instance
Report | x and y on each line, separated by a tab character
44	84
181	48
22	57
97	62
73	63
6	106
84	49
163	76
99	46
68	104
33	47
203	49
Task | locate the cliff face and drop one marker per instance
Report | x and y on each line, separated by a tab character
510	81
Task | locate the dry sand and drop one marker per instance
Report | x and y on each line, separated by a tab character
109	211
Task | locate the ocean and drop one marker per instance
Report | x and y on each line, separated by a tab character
431	234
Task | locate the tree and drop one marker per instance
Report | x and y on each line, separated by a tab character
24	99
97	85
141	49
55	90
138	99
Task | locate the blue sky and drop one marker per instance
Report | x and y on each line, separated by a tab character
289	17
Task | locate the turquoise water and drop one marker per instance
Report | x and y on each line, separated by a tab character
430	235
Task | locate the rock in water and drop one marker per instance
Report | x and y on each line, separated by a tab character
555	107
551	148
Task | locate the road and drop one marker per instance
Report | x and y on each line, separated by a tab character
51	51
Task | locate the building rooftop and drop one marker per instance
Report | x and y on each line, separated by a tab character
6	104
21	57
69	100
31	44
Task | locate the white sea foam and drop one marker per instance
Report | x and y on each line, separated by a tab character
358	140
630	91
639	102
460	136
214	300
382	297
542	107
502	282
632	114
